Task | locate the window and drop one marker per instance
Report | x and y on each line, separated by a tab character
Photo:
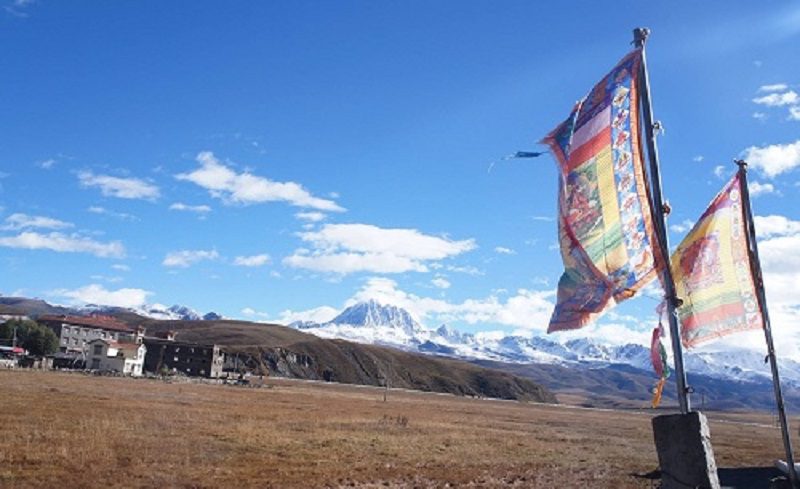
175	359
98	349
95	363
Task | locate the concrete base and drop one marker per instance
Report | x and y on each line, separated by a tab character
683	443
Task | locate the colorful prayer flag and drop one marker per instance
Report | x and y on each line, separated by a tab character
712	273
606	233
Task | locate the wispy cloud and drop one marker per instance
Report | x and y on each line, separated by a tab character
46	164
252	261
350	248
64	244
502	250
197	209
441	283
775	87
310	216
18	8
123	188
116	215
186	258
23	221
758	188
245	188
682	227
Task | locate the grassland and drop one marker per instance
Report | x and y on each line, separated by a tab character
73	430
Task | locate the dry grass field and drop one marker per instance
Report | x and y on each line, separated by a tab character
76	431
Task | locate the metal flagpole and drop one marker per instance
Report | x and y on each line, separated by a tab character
755	270
639	39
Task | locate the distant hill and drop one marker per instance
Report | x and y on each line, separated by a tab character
290	353
624	386
29	307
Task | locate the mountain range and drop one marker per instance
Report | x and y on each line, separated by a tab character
386	341
385	324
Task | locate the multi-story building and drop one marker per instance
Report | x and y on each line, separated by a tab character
75	332
192	359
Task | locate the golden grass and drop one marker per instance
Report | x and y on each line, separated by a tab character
72	430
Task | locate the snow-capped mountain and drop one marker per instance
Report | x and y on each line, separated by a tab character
389	325
155	311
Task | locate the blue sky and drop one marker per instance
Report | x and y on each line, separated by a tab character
280	160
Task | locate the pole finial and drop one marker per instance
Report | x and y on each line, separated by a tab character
742	164
640	35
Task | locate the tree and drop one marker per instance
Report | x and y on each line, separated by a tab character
37	339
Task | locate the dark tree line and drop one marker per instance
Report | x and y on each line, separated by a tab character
37	339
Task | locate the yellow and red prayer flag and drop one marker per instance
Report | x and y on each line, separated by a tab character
713	275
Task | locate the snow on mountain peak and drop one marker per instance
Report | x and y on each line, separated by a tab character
372	314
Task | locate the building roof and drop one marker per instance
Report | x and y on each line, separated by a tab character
97	322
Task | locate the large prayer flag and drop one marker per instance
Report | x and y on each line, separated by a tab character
712	273
605	226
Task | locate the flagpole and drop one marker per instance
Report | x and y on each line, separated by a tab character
755	270
659	219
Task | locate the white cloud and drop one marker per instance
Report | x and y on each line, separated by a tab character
794	113
123	188
778	99
698	158
198	209
774	225
527	310
758	188
774	159
46	164
320	314
251	261
185	258
246	188
63	243
759	116
250	312
99	295
23	221
682	227
502	250
311	216
106	212
121	267
720	171
441	283
777	87
350	248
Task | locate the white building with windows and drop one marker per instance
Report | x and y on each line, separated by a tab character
112	356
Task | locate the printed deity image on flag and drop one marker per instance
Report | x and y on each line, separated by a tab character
605	226
711	268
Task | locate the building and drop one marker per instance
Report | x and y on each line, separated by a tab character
112	356
75	332
191	359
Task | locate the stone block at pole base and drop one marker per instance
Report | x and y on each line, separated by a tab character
683	443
